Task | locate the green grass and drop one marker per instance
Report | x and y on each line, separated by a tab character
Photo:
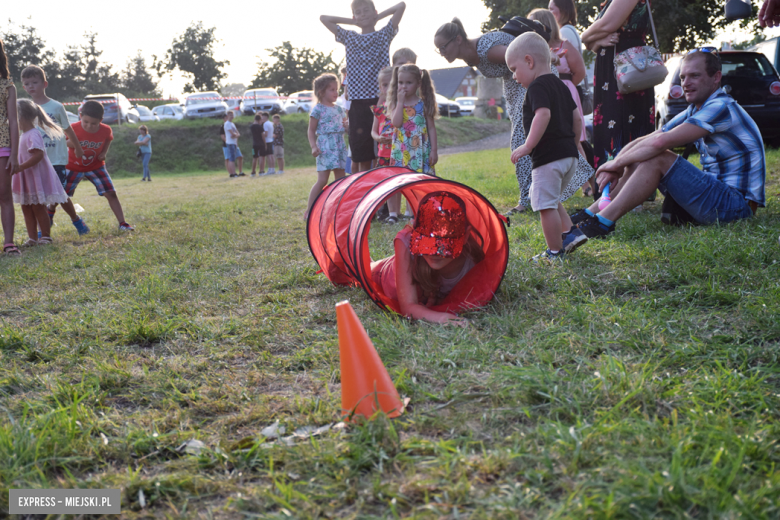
640	380
186	146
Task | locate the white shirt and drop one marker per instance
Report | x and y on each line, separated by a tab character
229	139
268	128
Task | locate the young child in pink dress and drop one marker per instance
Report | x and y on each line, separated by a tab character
35	183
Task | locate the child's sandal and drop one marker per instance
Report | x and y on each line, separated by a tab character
30	243
45	241
11	250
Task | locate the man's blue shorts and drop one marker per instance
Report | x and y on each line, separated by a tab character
231	156
704	197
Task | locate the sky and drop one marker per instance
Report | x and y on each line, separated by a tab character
246	29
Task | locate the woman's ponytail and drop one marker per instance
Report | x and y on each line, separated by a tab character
451	30
428	95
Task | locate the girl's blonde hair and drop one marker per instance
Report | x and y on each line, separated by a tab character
385	74
321	83
427	92
29	111
546	18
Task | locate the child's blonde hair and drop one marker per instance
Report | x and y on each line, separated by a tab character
404	55
534	45
385	74
546	18
30	111
427	90
321	83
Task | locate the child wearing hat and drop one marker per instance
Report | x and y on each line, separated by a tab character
432	254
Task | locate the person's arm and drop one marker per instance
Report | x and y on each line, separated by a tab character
398	112
312	134
616	15
102	156
331	22
407	291
576	124
769	15
497	54
576	63
71	135
36	156
147	139
139	141
606	41
397	11
13	126
375	132
434	157
655	144
535	133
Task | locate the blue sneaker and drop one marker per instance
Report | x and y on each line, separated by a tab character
549	257
593	228
573	239
81	227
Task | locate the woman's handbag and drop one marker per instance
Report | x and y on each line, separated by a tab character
640	68
138	153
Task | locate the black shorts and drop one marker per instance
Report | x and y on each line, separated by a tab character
361	119
258	150
269	149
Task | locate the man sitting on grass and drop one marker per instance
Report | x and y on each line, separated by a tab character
730	185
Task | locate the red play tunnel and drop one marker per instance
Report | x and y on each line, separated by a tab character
340	220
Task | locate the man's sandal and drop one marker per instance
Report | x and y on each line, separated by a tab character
11	250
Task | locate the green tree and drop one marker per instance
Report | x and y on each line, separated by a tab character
680	25
293	69
24	47
192	53
137	80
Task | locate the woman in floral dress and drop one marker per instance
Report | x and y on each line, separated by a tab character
618	118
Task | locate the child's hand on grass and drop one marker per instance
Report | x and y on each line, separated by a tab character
519	153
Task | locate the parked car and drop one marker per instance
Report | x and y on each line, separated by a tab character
748	77
467	105
299	102
236	105
770	49
204	104
447	108
262	100
145	114
115	107
170	111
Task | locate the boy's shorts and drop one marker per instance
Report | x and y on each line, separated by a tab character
232	152
99	178
361	119
258	150
278	152
703	196
62	173
548	182
269	149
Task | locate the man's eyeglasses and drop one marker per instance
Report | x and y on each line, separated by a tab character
441	50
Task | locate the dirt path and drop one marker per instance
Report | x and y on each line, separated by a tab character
487	143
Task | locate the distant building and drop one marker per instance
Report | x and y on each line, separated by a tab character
455	81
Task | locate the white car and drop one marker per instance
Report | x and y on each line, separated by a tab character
467	105
262	100
204	104
145	113
236	105
170	111
299	102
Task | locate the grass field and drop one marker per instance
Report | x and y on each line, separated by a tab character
640	380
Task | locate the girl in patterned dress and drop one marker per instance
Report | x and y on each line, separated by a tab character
411	100
382	131
35	183
327	125
9	144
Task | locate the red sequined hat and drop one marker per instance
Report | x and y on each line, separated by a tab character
440	226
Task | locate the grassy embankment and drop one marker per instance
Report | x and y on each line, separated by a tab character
185	146
640	380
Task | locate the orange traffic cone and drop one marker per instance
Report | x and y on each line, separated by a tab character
365	384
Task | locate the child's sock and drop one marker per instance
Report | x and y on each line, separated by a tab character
393	214
605	221
589	212
555	252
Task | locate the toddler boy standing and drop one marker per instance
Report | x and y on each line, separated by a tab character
551	122
34	83
368	52
94	138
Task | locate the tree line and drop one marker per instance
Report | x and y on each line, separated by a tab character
79	69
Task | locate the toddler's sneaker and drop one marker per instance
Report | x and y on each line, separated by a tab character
573	239
578	217
549	257
81	227
124	226
593	228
